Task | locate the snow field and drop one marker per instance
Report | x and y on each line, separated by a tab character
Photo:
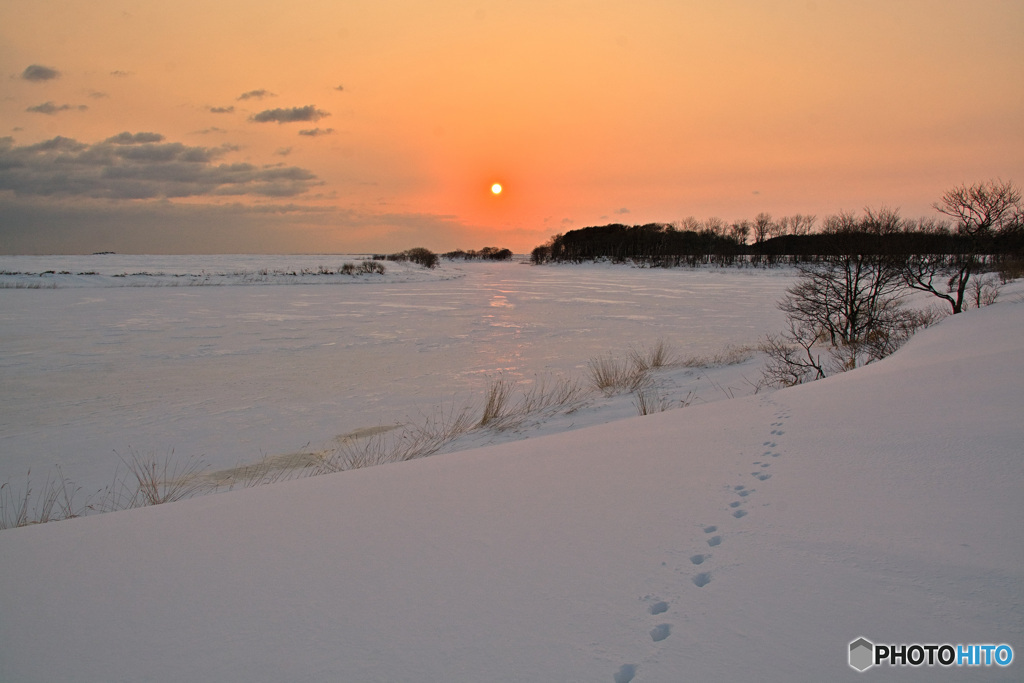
744	540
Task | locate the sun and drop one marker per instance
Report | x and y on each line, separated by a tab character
496	188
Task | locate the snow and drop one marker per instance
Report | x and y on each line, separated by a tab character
255	368
745	540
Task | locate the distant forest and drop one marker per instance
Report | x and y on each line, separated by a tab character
789	240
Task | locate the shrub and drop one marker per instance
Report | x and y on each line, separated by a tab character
424	257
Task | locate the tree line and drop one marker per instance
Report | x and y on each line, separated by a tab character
999	236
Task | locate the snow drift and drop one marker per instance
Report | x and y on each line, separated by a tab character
744	540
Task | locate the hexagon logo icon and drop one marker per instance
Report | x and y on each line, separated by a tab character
861	654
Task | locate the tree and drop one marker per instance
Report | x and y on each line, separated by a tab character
981	211
849	300
763	227
739	231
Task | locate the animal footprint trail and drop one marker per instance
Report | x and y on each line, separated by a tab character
661	632
625	674
659	607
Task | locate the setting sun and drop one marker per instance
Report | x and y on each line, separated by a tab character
496	188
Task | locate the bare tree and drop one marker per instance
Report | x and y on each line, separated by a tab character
762	227
801	224
849	301
714	225
739	231
980	210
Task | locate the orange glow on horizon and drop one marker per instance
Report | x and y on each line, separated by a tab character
389	123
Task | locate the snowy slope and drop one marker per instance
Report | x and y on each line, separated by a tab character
884	503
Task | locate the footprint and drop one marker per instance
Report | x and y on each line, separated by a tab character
659	607
776	424
777	432
763	476
696	559
739	513
735	504
714	540
625	673
770	444
702	579
775	455
738	487
765	464
661	632
746	493
710	529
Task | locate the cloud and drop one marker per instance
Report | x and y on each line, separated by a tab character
38	72
122	74
621	211
316	132
127	138
49	108
307	113
139	166
340	88
221	110
256	94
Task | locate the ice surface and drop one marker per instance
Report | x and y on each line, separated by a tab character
236	372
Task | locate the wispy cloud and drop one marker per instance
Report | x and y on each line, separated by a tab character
50	108
139	166
308	113
122	74
221	110
256	95
316	132
38	72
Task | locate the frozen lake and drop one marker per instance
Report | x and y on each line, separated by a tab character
95	365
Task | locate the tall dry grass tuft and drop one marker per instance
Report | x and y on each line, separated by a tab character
154	481
55	502
414	441
611	376
497	403
659	355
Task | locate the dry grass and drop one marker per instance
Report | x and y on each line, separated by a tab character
408	443
154	481
56	501
611	376
150	480
730	355
497	404
660	355
544	397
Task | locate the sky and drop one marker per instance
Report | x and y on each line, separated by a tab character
380	125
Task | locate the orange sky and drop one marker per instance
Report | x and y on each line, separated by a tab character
586	112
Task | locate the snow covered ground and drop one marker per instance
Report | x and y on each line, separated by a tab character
742	540
104	365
